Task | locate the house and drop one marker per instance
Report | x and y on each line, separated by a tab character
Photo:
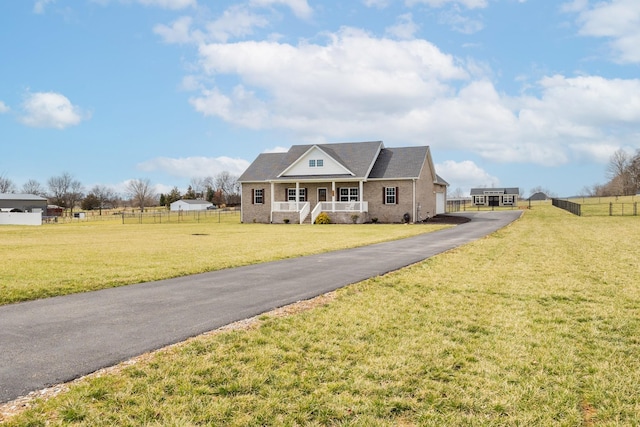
350	182
190	205
495	196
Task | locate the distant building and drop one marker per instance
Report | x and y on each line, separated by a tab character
190	205
539	196
22	202
21	209
495	196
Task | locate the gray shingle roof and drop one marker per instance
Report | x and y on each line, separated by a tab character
406	162
15	196
358	157
481	191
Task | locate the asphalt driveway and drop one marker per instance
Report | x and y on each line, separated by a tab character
55	340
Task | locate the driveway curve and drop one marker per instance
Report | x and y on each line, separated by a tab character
55	340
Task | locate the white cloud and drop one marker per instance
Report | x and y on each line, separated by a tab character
164	4
380	4
195	167
300	8
40	5
178	32
460	23
465	175
169	4
237	21
277	149
50	110
616	20
405	28
469	4
311	86
355	86
4	108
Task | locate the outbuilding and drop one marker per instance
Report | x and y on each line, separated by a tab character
495	197
190	205
23	202
22	209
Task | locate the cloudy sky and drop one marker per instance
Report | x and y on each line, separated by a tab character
506	92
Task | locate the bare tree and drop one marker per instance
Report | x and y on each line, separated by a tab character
33	187
6	185
65	191
103	196
229	186
140	192
618	173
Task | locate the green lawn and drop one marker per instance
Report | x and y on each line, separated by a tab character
535	325
58	259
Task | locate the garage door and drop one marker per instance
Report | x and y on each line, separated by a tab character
440	208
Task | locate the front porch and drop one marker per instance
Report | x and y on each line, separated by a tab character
350	212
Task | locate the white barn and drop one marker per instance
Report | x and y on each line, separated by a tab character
190	205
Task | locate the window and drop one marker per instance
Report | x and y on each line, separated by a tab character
258	197
312	163
320	163
507	199
316	163
291	195
349	194
478	200
390	195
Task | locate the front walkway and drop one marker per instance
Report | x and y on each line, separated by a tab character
55	340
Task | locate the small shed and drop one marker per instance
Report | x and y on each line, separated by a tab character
495	197
190	205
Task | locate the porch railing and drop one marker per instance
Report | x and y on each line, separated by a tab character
338	207
303	208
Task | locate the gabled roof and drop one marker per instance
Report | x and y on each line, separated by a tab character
194	202
18	196
364	160
482	191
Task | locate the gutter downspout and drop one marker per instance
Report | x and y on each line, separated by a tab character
415	211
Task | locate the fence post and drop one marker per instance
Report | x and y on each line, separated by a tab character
610	208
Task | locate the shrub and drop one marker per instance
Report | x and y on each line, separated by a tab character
323	218
354	218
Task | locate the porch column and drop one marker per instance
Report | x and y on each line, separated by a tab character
272	202
297	196
361	194
333	196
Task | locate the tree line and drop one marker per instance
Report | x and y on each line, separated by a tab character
623	174
67	192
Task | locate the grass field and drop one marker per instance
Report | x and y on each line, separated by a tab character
58	259
535	325
608	206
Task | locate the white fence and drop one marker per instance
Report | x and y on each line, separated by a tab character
20	218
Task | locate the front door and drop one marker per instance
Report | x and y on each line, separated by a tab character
322	194
494	200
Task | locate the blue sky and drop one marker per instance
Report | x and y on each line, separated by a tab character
506	92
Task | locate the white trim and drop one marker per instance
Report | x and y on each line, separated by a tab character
315	147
